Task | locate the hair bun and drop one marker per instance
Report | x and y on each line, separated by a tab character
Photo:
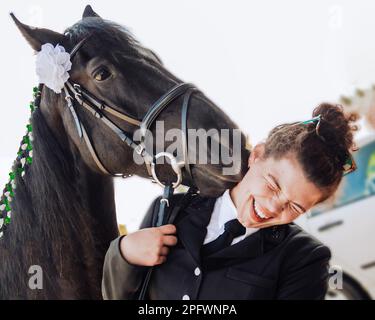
336	129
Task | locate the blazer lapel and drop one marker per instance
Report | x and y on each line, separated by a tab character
192	227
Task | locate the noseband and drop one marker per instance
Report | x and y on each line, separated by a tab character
75	92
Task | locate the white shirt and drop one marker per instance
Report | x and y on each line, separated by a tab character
224	211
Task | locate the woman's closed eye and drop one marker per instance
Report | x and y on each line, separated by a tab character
294	210
272	187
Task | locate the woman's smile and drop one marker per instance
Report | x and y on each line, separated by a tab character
256	213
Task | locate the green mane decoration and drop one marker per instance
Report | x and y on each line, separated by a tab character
23	160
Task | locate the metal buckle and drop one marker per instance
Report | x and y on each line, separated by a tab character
78	93
77	87
176	166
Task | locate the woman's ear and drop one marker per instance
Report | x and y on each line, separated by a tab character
256	153
36	37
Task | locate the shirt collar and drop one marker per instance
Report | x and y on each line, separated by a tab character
228	212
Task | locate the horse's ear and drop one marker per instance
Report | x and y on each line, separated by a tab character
88	12
36	37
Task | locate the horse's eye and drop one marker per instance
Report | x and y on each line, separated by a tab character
102	74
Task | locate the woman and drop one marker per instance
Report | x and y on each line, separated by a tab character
243	245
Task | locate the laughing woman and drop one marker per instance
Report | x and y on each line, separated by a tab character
244	244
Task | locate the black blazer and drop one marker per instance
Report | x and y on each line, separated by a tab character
281	262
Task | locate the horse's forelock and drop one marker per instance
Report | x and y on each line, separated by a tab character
108	39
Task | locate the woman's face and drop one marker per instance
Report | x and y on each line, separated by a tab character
273	192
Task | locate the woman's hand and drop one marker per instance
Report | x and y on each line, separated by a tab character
149	246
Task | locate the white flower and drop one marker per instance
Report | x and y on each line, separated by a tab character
52	66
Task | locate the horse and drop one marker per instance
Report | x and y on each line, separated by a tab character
63	210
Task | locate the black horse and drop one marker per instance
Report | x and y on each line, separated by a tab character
63	212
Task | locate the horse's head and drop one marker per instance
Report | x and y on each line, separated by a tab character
115	69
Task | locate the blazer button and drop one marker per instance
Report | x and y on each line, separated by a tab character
185	297
197	271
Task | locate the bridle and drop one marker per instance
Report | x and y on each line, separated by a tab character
97	108
76	93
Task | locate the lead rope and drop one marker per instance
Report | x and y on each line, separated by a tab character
161	218
164	216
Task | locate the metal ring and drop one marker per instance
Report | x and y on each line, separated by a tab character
176	166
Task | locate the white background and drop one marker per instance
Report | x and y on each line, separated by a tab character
262	62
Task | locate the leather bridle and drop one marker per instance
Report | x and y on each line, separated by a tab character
76	93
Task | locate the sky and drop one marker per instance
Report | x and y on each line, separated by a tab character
262	62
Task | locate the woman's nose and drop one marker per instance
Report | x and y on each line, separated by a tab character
275	206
